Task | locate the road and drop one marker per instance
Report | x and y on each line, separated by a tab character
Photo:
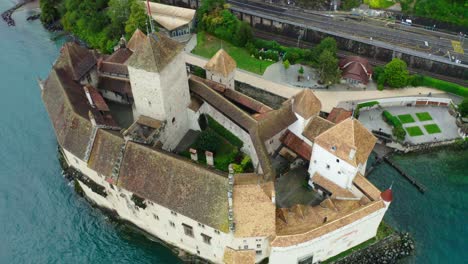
406	39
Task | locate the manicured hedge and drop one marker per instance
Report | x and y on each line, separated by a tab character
421	80
398	130
218	128
367	104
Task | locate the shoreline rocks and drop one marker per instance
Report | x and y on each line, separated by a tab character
6	16
388	251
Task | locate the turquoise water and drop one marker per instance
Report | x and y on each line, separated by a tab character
438	219
42	220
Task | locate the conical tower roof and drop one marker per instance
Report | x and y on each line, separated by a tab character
221	63
79	59
155	53
136	40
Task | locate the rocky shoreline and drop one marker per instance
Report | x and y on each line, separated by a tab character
387	251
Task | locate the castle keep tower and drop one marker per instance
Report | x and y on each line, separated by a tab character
159	84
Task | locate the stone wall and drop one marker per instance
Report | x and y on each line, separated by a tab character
272	100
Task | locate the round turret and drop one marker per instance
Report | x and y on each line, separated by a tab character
387	195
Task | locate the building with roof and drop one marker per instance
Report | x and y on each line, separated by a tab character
176	22
355	70
221	68
132	167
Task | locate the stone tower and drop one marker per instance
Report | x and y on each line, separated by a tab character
221	68
160	85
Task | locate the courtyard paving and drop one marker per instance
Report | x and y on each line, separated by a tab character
291	189
372	120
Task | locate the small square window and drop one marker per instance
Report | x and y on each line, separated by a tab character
201	225
206	239
259	252
328	166
337	160
246	247
173	213
217	232
172	223
156	217
259	245
188	230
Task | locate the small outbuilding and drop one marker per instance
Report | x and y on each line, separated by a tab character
356	70
221	68
176	22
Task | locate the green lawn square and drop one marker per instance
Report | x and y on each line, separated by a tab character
414	131
405	119
424	116
432	129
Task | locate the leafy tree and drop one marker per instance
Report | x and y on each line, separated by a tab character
349	4
396	73
286	64
244	34
328	67
301	70
327	43
119	12
137	18
463	107
208	140
49	11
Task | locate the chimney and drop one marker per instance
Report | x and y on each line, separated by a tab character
88	96
209	158
352	153
193	154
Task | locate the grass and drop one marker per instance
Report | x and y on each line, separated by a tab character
383	231
208	45
414	131
382	4
432	129
405	119
424	116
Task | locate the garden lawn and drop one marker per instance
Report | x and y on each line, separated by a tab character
405	119
208	45
414	131
424	116
432	129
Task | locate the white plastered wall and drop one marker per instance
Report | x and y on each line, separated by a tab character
298	127
219	78
330	244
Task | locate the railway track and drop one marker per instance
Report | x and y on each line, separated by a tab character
287	41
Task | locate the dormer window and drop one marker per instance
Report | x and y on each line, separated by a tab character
333	148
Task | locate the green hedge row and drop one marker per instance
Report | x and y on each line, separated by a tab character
218	128
367	104
421	80
398	130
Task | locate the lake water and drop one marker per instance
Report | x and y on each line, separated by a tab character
42	220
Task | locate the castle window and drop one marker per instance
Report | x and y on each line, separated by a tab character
88	78
156	217
337	160
328	166
173	120
259	245
201	225
188	230
217	232
206	239
172	223
339	172
173	213
246	247
333	148
259	252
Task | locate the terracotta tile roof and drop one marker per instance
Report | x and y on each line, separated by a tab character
232	256
113	68
221	63
105	152
179	185
97	99
356	68
79	60
117	85
315	127
346	136
306	104
297	230
68	110
330	186
136	40
296	144
155	53
149	122
171	17
254	212
339	114
366	187
246	101
273	122
119	56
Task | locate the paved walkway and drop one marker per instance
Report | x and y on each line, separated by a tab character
329	97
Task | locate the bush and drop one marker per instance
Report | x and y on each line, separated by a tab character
222	131
368	104
463	107
378	72
396	73
398	130
286	64
421	80
222	161
207	140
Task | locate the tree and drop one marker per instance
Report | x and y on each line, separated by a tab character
327	43
49	11
396	73
244	34
301	70
137	19
286	64
349	4
463	107
119	11
328	68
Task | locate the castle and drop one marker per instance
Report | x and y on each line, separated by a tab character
120	120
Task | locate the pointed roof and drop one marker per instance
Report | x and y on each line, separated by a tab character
135	41
155	53
346	136
78	59
221	63
387	195
306	104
